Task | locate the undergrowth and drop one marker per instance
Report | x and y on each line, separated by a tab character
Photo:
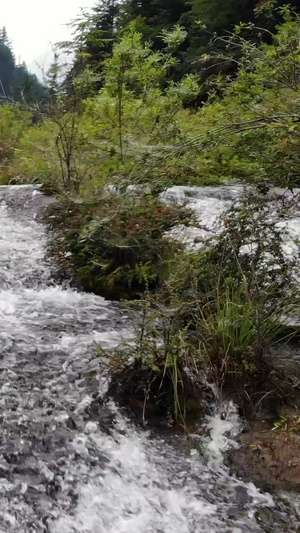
160	372
115	245
219	312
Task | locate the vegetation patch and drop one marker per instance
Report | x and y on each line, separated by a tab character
134	114
160	375
217	316
115	245
235	292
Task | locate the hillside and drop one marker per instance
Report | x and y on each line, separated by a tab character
15	80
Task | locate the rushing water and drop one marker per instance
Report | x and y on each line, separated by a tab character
69	464
209	203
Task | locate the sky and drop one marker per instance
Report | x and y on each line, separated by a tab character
32	26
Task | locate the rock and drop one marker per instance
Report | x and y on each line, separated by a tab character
268	458
284	361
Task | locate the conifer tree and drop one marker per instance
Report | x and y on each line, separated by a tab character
95	35
101	37
153	16
15	80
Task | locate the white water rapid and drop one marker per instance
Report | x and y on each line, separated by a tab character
69	464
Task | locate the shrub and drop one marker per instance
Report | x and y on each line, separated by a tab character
217	315
13	123
248	128
115	245
235	292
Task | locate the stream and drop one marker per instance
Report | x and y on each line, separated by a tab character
68	463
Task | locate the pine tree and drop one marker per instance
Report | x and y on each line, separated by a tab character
15	80
209	17
99	30
220	15
95	35
153	16
100	39
7	65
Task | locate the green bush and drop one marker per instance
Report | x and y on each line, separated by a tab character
115	245
14	121
235	292
216	316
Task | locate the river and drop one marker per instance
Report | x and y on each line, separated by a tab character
69	464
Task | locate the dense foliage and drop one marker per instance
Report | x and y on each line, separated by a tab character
202	20
219	312
138	127
115	245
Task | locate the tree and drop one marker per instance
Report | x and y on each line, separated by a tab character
138	112
95	33
153	16
249	129
102	34
15	80
7	64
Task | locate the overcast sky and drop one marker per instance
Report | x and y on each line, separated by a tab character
33	24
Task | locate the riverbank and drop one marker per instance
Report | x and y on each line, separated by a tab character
142	375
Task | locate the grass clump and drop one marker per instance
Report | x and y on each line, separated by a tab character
235	292
287	424
159	374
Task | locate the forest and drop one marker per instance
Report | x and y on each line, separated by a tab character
159	94
15	80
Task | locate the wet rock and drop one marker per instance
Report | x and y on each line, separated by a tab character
284	362
99	412
70	423
271	459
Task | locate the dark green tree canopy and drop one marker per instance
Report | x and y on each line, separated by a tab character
97	31
153	16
